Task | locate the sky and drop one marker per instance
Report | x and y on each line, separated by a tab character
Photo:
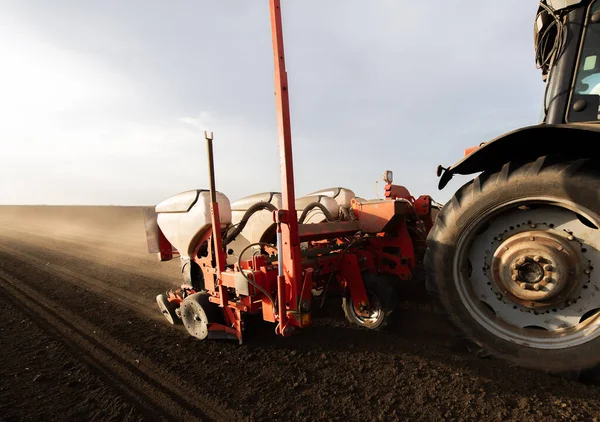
106	102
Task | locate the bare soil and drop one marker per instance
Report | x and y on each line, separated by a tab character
81	338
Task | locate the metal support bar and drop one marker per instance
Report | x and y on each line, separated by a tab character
281	311
290	248
216	221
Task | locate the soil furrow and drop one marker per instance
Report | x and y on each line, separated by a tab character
329	371
144	265
81	243
113	362
115	294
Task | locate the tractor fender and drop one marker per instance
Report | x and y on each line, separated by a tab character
571	141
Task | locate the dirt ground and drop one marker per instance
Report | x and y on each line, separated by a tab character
81	338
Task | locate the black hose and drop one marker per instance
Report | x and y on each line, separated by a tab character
239	263
259	206
311	207
547	59
336	267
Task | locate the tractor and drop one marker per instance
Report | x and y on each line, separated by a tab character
512	258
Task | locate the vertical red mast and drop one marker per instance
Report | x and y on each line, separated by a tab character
290	247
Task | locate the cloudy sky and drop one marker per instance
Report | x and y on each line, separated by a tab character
105	102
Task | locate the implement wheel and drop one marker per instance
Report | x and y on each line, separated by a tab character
167	309
514	259
196	313
382	302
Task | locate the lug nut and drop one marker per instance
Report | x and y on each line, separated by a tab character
537	258
547	279
514	277
514	266
548	267
537	286
523	286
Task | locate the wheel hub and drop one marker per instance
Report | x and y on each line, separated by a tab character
194	317
536	268
530	272
369	312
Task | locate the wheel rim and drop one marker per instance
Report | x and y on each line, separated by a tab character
194	318
525	272
372	314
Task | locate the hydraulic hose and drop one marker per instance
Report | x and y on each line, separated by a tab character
259	206
252	282
336	267
311	207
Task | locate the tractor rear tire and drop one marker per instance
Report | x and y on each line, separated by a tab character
478	266
383	299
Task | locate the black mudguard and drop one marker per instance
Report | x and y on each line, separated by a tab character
573	141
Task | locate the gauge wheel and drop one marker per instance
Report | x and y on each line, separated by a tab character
197	312
514	259
168	309
382	302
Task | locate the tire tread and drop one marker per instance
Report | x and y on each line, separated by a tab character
484	186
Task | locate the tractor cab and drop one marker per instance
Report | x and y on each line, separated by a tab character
567	50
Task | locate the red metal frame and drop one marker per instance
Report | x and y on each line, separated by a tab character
290	247
396	191
336	250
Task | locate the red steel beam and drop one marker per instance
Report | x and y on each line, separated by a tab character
328	230
290	239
